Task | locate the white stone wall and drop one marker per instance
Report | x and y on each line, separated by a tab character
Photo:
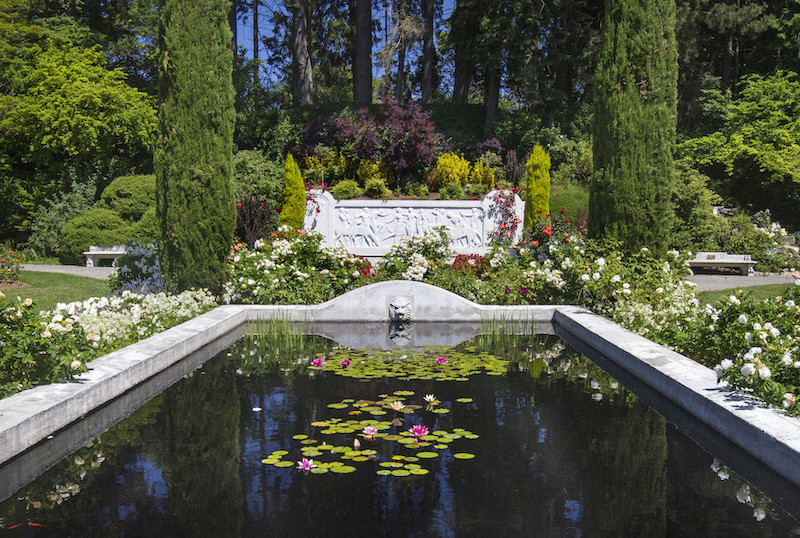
371	227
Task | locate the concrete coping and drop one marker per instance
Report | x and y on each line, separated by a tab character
767	434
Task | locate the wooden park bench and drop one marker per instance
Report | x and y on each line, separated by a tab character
723	260
95	254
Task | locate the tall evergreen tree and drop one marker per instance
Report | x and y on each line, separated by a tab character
634	123
194	201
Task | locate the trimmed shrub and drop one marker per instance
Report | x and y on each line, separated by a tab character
294	196
130	196
482	174
376	188
451	189
98	226
145	230
418	190
449	167
537	199
344	190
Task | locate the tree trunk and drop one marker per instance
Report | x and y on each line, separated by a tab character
401	71
492	97
464	64
255	42
232	22
726	61
362	52
302	83
428	51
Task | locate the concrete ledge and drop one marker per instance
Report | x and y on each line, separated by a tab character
767	434
428	304
30	416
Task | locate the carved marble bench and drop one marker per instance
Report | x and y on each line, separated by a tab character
716	260
95	254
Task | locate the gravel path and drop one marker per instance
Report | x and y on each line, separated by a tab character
724	282
100	273
704	282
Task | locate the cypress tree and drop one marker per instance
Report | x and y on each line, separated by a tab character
294	196
537	199
634	123
195	209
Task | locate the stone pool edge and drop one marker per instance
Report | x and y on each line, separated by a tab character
773	438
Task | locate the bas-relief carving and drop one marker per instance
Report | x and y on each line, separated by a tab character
376	227
372	227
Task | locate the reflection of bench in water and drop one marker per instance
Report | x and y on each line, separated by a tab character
722	260
95	254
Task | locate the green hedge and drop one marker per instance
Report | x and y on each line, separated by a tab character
130	196
98	226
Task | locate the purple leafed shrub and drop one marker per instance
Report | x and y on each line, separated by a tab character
474	150
254	219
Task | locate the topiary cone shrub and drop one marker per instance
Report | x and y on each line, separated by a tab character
294	196
537	200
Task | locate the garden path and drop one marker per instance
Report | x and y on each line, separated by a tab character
100	273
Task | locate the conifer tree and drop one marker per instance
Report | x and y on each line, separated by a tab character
634	123
294	196
537	199
194	200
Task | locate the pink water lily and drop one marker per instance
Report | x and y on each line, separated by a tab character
441	360
345	363
306	465
369	431
319	362
418	431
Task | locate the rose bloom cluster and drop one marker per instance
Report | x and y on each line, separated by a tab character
292	267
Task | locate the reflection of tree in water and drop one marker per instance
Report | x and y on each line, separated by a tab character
550	447
201	452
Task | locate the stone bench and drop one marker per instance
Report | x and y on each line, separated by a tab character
95	254
717	260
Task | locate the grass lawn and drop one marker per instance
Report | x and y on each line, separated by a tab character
48	289
758	292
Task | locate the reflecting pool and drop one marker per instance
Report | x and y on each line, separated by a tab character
522	437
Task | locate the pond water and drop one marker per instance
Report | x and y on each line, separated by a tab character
525	437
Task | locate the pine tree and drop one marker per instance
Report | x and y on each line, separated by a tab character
194	200
634	124
537	199
294	196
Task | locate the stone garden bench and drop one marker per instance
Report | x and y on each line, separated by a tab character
95	254
723	260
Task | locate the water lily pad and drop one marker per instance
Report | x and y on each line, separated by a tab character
440	447
400	472
343	469
321	423
319	470
360	458
284	464
427	455
383	472
463	456
464	400
419	471
404	392
338	405
270	461
441	410
471	436
309	441
280	452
